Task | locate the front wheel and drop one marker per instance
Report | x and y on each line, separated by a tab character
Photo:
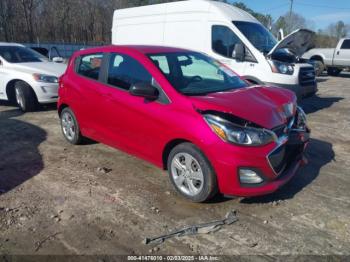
319	67
191	173
70	127
25	97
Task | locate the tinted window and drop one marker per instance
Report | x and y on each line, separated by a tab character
346	44
90	65
125	71
19	54
224	40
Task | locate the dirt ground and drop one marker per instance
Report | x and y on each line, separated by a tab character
91	199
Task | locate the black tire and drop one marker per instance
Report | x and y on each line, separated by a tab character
333	71
75	138
319	67
209	188
25	97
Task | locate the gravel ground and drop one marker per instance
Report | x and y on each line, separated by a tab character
91	199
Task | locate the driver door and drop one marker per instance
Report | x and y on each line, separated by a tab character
224	41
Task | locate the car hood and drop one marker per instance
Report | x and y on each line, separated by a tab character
298	42
48	68
267	107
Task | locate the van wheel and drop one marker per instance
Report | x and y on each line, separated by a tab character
191	173
70	127
25	97
332	71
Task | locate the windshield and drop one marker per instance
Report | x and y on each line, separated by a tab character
196	74
258	35
20	54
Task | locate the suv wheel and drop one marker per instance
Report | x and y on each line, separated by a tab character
70	127
25	97
191	173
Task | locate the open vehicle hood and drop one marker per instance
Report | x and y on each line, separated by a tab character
298	42
267	107
48	68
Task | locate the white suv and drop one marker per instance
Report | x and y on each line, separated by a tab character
26	77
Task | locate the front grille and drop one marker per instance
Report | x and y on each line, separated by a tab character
280	130
282	157
307	76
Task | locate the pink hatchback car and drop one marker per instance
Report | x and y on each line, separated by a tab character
187	113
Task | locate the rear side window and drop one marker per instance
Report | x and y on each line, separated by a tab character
224	40
90	65
125	71
346	44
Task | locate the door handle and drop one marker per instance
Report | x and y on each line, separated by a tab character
338	52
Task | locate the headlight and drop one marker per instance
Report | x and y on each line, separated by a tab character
281	68
240	135
45	78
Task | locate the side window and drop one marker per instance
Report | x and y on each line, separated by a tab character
346	44
224	40
161	62
90	65
125	71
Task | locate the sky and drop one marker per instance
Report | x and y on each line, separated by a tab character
320	12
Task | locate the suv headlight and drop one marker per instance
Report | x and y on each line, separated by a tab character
239	135
45	78
281	68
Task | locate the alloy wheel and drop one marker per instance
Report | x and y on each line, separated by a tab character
68	126
19	98
187	174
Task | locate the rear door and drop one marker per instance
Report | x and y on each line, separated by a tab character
342	54
87	94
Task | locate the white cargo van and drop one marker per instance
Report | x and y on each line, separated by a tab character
226	33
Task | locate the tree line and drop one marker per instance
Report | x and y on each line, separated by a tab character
90	21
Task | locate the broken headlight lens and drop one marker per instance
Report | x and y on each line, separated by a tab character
240	135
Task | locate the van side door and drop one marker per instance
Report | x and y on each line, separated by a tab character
342	53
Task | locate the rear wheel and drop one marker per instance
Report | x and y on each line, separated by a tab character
191	173
333	71
25	97
70	127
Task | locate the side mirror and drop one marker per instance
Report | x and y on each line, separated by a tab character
145	90
58	59
239	52
0	62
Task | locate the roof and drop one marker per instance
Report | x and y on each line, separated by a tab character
9	44
218	10
144	49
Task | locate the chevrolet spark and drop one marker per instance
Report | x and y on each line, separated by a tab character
186	113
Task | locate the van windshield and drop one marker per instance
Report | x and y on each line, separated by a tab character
258	35
193	73
20	54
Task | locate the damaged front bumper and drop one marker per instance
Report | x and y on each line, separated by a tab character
276	164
